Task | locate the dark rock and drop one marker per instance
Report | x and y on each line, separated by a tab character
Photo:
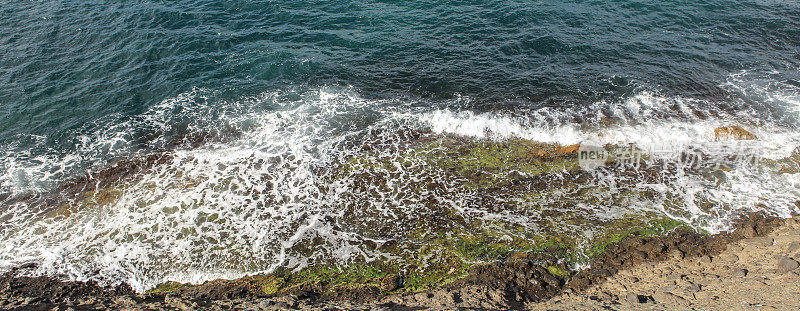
510	283
391	282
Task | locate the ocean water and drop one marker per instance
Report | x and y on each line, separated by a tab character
287	91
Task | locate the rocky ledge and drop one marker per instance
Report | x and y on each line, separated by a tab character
679	269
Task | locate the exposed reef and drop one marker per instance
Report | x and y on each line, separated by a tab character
440	213
513	282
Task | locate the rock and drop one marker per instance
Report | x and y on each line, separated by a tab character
729	256
632	298
668	298
747	231
125	301
423	296
786	264
736	247
705	259
265	304
675	276
793	247
390	283
757	279
676	254
733	132
739	272
666	289
605	295
645	299
86	301
177	303
760	241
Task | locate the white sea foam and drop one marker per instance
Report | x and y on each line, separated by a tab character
635	127
247	205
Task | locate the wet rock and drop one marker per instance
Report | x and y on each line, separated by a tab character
86	301
786	264
538	284
502	285
390	283
423	296
281	306
177	303
733	132
264	304
125	301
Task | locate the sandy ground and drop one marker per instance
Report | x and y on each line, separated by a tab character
759	273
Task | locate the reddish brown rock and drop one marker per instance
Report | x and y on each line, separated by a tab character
733	132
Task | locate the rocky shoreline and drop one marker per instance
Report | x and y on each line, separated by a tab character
519	282
475	268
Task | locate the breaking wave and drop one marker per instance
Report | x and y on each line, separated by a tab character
295	178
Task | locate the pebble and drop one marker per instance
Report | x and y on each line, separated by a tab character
739	272
786	264
675	276
793	247
729	256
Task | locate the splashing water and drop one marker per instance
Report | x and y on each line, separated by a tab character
293	179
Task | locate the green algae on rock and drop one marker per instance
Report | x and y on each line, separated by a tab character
427	213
